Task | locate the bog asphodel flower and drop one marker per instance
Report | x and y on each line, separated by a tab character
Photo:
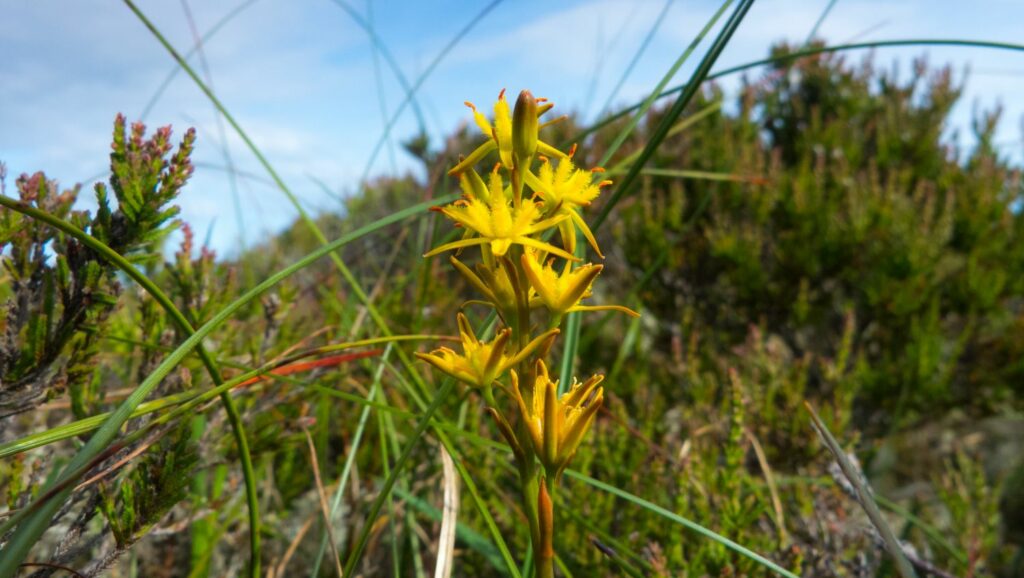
562	293
497	222
512	217
565	189
480	363
499	136
557	424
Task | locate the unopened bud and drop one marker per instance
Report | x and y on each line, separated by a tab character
524	129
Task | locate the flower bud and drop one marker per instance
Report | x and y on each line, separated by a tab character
524	129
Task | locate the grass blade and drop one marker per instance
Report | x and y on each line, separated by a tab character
692	526
385	490
203	40
179	319
636	57
15	551
573	324
864	497
796	55
690	90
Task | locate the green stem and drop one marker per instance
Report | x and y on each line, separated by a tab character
530	488
234	418
385	491
545	547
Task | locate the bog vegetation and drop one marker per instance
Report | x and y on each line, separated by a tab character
818	237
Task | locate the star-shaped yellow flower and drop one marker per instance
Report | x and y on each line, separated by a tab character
480	363
557	424
497	222
563	293
564	189
499	136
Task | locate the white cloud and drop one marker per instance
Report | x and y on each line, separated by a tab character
300	79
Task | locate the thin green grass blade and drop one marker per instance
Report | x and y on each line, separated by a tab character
179	319
572	323
649	101
15	551
820	21
661	131
421	79
223	145
292	198
636	57
350	459
204	39
385	490
380	46
378	80
864	496
692	526
801	54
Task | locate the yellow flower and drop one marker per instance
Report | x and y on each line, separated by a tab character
499	136
563	293
498	222
564	190
557	424
481	363
500	285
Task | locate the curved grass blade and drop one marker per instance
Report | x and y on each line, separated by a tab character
690	90
796	55
636	57
234	418
379	46
820	21
692	526
419	82
666	124
649	101
864	497
29	532
385	490
205	38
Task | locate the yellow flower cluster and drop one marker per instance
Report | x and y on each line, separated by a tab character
525	219
510	217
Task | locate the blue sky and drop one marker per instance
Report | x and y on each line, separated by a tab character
300	78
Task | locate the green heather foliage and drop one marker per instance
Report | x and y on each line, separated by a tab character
823	236
855	206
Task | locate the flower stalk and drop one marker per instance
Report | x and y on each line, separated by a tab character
533	195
